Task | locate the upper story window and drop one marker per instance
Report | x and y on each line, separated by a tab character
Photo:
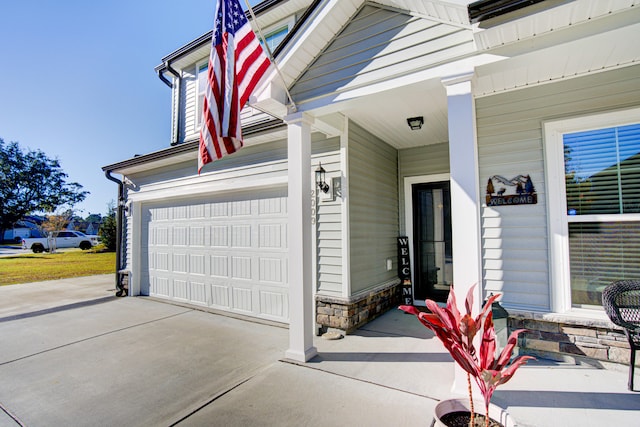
594	204
201	89
274	35
274	38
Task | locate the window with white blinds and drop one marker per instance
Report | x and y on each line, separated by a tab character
602	182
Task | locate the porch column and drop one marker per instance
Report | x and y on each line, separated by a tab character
465	198
301	347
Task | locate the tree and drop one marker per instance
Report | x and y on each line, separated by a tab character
490	189
109	229
53	223
93	218
32	182
56	222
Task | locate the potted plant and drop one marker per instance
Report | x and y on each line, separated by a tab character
457	333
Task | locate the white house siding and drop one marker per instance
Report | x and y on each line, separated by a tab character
377	44
420	161
514	238
187	108
373	208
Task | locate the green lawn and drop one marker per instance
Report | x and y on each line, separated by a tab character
37	267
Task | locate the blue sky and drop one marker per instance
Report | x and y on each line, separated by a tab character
77	80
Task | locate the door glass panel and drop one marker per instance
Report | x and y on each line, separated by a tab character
432	241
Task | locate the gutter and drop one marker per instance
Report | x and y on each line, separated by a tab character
166	66
486	9
206	38
121	290
190	146
175	138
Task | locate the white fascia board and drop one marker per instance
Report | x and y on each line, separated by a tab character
331	102
292	49
322	13
191	187
606	51
511	39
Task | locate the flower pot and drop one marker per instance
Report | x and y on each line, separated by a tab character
462	405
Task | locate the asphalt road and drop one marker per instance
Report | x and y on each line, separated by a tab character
13	250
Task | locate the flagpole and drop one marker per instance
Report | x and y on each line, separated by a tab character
294	107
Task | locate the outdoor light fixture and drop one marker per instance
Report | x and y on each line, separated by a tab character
415	123
320	182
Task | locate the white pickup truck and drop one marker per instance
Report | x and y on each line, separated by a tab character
60	239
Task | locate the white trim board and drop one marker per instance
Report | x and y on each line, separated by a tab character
408	213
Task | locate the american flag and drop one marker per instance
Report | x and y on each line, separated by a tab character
236	64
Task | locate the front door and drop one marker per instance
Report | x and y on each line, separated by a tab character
432	241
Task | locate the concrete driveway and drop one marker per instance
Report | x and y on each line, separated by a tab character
124	361
72	354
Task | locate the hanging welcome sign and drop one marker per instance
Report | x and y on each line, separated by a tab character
514	191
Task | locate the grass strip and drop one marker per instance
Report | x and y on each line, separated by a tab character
38	267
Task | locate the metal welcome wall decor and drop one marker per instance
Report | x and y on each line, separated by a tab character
521	187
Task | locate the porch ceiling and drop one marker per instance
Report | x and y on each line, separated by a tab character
385	114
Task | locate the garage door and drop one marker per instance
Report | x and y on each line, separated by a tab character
227	253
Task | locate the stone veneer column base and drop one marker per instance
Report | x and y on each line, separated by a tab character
579	341
348	314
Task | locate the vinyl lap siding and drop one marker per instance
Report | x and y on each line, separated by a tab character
329	229
376	45
510	142
420	161
373	208
188	108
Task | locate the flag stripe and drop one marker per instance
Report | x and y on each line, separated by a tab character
236	65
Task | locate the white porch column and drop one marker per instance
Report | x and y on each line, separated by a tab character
301	304
465	198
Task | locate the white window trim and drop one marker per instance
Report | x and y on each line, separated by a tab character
288	22
409	182
198	118
559	273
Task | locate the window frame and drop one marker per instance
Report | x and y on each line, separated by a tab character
277	27
198	118
558	219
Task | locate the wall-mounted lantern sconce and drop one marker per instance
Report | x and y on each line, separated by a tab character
320	179
415	123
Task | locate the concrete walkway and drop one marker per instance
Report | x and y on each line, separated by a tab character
72	354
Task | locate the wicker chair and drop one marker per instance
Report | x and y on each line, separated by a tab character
621	301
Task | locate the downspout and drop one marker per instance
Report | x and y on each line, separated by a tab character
120	289
167	66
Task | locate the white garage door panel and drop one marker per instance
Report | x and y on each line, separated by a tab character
225	254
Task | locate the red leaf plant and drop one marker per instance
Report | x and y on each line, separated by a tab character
457	333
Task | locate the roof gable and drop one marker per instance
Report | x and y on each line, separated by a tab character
380	43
